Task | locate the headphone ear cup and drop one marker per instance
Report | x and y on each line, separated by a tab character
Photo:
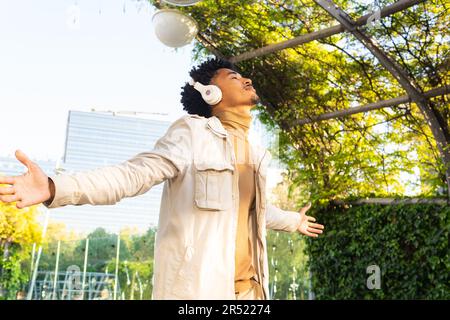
211	94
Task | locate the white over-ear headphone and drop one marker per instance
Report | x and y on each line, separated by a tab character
210	93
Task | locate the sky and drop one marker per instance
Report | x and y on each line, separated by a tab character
107	59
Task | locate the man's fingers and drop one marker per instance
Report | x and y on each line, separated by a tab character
305	208
311	219
313	235
312	230
22	157
7	190
6	180
9	198
20	205
316	225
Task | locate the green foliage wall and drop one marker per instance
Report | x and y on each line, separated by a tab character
408	242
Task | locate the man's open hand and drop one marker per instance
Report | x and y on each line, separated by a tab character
307	225
28	189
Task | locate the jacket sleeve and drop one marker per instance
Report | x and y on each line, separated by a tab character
108	185
281	220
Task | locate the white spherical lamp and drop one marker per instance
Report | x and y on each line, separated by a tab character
174	28
181	3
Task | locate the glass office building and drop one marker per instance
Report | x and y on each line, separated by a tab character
95	140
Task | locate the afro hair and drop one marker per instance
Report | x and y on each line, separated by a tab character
191	99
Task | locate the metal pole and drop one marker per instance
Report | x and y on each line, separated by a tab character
86	249
141	291
55	277
116	277
133	284
33	278
33	252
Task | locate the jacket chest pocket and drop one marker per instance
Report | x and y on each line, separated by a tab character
213	186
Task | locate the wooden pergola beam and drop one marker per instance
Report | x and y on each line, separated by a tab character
322	34
208	45
373	106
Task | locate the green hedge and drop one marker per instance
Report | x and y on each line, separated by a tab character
409	243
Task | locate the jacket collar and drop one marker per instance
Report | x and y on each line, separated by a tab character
216	126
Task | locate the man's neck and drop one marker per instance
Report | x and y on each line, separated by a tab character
243	109
236	118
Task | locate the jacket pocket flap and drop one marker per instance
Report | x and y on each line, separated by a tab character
209	165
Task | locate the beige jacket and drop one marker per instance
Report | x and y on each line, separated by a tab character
195	243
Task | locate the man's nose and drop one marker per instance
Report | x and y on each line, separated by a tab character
248	81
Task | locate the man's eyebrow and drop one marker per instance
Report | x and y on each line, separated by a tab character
232	72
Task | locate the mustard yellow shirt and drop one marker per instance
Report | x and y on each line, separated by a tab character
237	125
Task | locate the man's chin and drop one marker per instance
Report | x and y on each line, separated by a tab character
255	100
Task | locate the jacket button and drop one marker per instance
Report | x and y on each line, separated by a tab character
189	253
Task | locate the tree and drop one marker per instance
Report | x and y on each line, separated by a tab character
19	229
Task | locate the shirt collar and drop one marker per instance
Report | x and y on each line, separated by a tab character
216	126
